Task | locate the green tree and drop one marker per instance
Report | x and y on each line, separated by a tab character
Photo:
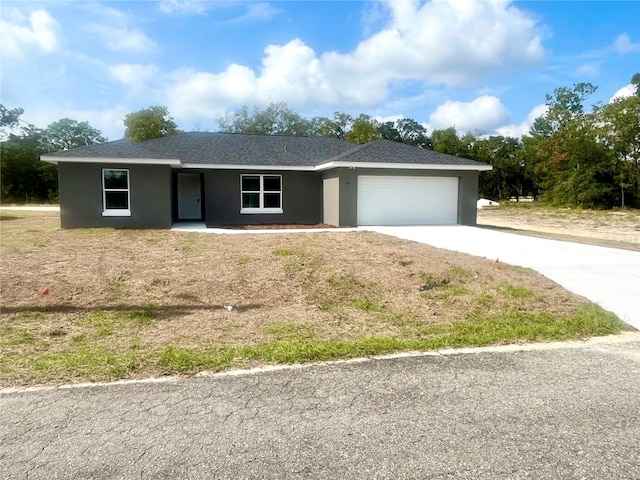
66	134
635	81
336	127
363	130
276	119
405	130
508	177
23	177
620	131
9	119
573	166
149	123
566	104
447	141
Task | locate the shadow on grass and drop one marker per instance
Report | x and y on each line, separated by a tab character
8	217
158	311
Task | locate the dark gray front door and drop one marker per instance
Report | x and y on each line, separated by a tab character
189	193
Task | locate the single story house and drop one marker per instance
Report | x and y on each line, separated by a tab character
237	179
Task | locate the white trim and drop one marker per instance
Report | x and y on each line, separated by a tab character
132	161
339	164
261	192
266	168
175	163
116	213
402	166
254	211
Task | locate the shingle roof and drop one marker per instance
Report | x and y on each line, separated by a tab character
205	148
386	151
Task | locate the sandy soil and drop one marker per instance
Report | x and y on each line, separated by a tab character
619	229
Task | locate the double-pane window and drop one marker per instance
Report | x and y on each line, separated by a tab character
115	192
261	193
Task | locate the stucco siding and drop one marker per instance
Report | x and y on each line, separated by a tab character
80	189
301	198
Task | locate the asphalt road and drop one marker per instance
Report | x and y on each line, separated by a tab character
565	412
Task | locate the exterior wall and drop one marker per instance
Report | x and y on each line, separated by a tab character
331	200
348	188
80	186
301	198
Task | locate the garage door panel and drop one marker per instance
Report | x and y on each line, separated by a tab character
388	200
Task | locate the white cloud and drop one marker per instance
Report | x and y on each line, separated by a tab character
123	38
523	128
134	76
621	46
184	6
447	42
257	12
40	36
108	121
624	92
587	70
624	45
485	113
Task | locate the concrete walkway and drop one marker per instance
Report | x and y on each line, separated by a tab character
609	277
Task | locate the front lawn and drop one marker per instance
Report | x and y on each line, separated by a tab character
131	304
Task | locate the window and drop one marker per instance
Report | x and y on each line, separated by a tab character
261	193
115	193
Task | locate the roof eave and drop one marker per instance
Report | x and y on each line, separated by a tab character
174	162
228	166
403	166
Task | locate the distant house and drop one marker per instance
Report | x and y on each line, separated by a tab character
237	179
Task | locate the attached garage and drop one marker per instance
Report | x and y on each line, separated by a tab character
402	200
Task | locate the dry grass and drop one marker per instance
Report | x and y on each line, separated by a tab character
609	228
129	303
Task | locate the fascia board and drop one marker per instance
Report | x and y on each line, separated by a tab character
174	162
213	166
403	166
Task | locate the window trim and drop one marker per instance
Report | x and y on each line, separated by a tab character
261	192
115	212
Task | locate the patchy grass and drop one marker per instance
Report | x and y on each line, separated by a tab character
516	291
146	303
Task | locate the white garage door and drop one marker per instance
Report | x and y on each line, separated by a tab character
407	200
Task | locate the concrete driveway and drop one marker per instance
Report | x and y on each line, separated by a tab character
609	277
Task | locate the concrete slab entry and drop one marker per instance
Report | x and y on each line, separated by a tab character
609	277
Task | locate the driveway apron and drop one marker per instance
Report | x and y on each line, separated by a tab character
609	277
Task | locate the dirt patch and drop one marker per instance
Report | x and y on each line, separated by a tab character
278	226
619	229
99	304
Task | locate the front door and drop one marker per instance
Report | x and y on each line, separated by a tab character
189	193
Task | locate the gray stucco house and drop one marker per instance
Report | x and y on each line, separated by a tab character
236	179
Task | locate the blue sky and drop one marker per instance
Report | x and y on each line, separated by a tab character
476	65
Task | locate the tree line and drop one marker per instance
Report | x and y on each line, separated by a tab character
573	155
23	177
